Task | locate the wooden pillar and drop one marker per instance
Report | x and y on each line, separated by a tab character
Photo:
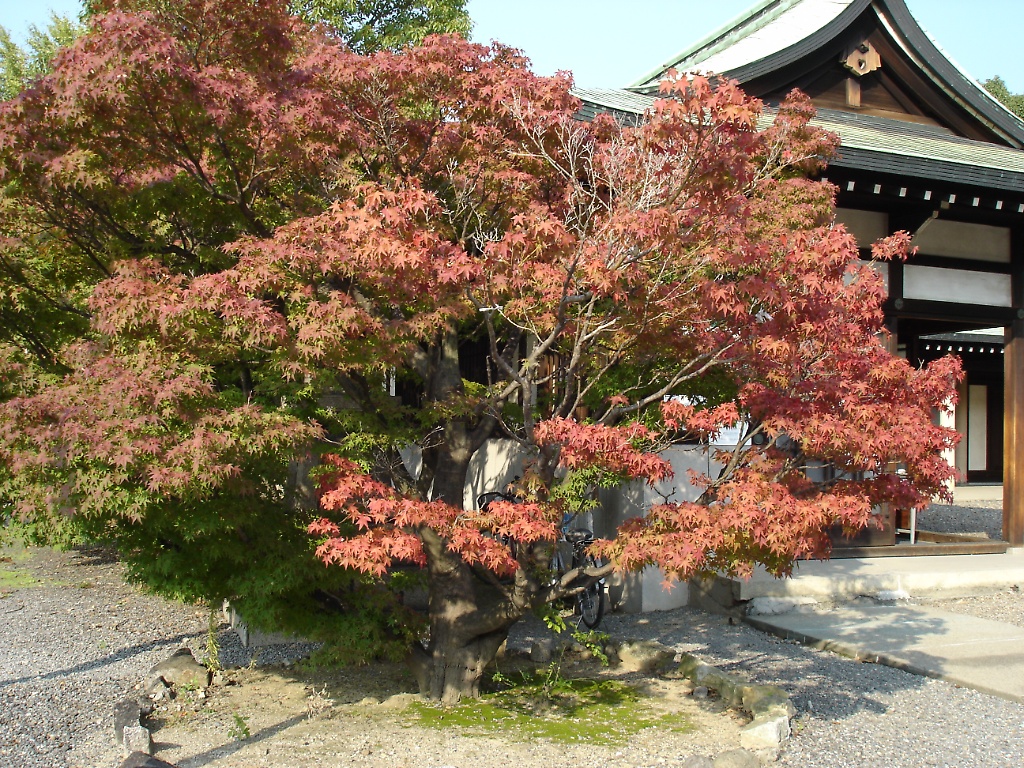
1013	435
1013	400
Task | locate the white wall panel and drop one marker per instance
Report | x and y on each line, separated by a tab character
956	285
958	239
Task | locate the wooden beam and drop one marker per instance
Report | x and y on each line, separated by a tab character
852	92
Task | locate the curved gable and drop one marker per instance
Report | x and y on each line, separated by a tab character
857	56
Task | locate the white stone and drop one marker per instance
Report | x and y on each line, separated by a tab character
765	732
775	606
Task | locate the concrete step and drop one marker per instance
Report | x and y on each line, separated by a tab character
842	580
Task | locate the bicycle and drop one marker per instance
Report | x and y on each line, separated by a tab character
588	601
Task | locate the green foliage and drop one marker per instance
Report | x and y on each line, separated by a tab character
374	25
20	66
260	557
577	489
1012	101
42	290
595	642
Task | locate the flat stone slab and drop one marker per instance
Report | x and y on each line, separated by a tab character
985	655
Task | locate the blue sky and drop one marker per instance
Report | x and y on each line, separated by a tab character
612	42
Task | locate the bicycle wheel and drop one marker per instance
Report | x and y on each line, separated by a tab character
590	605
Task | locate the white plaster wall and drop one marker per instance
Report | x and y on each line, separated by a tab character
496	464
865	226
977	427
946	417
962	240
659	595
684	459
648	590
492	468
957	286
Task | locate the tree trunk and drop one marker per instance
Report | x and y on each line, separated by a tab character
470	613
470	617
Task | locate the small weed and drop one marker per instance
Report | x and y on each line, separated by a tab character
317	703
85	585
104	645
239	731
212	644
595	642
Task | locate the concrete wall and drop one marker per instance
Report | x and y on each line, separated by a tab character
648	590
499	462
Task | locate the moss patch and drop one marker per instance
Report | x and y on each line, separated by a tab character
14	578
605	712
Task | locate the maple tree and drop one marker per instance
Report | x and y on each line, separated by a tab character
379	263
43	281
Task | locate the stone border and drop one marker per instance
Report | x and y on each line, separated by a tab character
179	670
769	705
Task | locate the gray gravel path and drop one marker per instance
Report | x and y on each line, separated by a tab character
70	650
980	517
851	714
73	645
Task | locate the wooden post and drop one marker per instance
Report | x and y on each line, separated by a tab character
1013	435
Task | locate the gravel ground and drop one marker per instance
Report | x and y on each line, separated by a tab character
78	641
981	517
75	643
851	714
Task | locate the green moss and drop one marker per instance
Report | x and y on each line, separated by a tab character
604	712
15	578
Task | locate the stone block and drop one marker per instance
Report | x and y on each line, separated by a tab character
142	760
138	739
765	733
644	655
542	651
765	699
182	670
255	638
127	713
775	606
737	758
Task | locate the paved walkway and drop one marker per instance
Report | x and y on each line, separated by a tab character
948	575
984	655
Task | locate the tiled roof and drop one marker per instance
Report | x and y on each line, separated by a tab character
776	33
871	143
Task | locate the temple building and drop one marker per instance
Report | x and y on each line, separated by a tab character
925	149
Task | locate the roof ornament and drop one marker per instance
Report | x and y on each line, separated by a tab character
862	58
